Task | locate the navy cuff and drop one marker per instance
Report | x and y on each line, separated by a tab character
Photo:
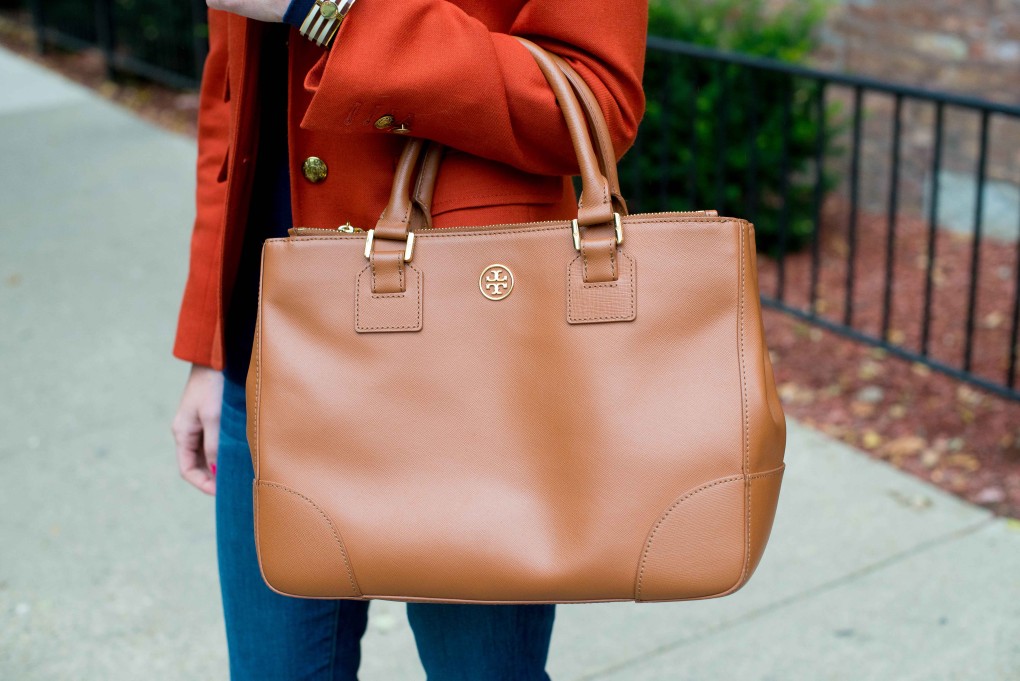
297	11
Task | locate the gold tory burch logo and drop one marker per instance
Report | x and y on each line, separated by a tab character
496	282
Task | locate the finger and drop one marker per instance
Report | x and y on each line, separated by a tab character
199	477
191	463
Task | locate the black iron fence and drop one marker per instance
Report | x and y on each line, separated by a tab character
889	214
165	42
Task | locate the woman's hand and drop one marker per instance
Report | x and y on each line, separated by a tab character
262	10
196	427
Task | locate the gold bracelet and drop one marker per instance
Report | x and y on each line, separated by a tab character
323	21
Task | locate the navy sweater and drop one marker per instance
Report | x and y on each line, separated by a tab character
297	11
269	214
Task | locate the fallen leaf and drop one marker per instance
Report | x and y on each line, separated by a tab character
993	320
920	369
861	409
897	411
967	462
833	390
907	445
791	393
871	440
833	430
871	394
930	458
840	247
869	369
958	483
968	395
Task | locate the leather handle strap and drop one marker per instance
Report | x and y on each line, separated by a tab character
577	94
600	203
396	217
595	206
424	188
389	244
604	150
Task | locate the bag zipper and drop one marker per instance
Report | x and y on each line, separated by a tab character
348	228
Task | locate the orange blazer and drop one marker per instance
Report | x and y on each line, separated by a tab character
447	70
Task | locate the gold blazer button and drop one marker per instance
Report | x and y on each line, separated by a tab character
314	169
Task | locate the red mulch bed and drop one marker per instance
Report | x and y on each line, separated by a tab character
959	437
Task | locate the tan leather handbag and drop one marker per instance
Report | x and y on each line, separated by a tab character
548	412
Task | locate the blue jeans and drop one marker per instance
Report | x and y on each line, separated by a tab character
280	638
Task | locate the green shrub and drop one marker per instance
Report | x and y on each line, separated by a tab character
712	136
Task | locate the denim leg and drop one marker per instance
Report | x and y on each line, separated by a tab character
477	642
271	637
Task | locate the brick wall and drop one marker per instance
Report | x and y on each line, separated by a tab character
968	47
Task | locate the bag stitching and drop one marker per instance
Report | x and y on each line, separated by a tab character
523	228
357	308
765	474
665	515
258	367
570	294
686	496
332	527
612	262
400	274
744	409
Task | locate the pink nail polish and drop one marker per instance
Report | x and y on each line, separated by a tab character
212	467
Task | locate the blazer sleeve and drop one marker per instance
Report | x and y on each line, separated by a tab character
197	340
450	79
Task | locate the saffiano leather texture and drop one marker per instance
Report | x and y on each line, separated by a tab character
537	421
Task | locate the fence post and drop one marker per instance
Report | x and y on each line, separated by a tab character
200	41
39	24
105	35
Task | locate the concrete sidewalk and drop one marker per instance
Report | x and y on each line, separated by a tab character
107	566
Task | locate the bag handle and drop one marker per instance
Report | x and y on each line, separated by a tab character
599	207
425	185
604	149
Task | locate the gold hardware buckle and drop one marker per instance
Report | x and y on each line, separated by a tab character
577	232
408	248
